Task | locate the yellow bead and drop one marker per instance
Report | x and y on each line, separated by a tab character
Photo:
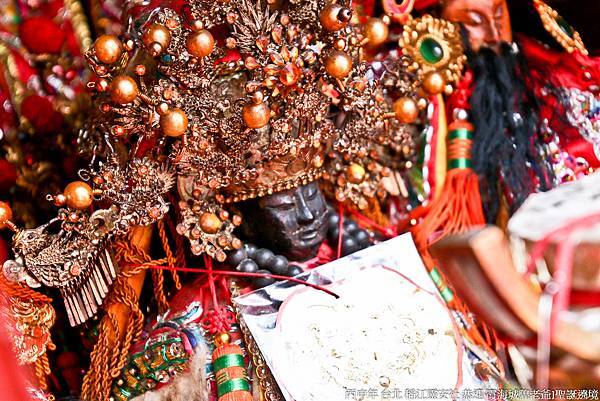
157	33
210	223
123	89
5	214
108	49
256	115
434	83
174	122
338	64
200	44
78	195
376	31
406	110
355	173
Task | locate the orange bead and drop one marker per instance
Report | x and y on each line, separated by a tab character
434	83
290	74
123	89
157	33
338	64
174	122
335	17
355	173
200	44
78	195
376	31
256	115
406	110
210	223
5	214
108	49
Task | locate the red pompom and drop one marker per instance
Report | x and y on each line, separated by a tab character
41	35
8	175
39	112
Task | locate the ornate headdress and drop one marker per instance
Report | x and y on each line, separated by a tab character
232	100
249	91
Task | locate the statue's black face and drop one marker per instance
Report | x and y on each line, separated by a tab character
292	222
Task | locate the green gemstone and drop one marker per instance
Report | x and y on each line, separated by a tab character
565	27
431	50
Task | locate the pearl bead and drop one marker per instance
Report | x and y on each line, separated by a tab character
406	110
157	33
174	122
200	44
256	115
78	195
338	64
335	17
376	31
123	89
5	214
108	49
434	83
210	223
355	173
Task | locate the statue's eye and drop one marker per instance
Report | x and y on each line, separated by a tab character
474	18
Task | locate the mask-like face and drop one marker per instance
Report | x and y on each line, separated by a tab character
487	21
292	222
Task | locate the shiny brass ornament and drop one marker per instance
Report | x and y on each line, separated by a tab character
174	122
256	115
376	31
108	49
338	64
78	195
200	44
123	89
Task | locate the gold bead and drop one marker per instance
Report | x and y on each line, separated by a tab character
210	223
200	44
157	33
174	122
434	83
60	200
78	195
222	339
376	31
335	17
256	115
5	214
338	64
123	89
406	110
355	173
108	49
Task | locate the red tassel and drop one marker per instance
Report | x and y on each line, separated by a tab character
230	371
458	207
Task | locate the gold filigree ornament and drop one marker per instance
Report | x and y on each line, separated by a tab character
32	323
436	47
559	28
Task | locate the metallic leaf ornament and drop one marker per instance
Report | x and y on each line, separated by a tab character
72	252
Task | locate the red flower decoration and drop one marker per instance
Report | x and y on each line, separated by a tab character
41	35
39	112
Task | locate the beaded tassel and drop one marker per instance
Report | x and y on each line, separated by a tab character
230	371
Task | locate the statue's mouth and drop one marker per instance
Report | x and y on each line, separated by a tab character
312	232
